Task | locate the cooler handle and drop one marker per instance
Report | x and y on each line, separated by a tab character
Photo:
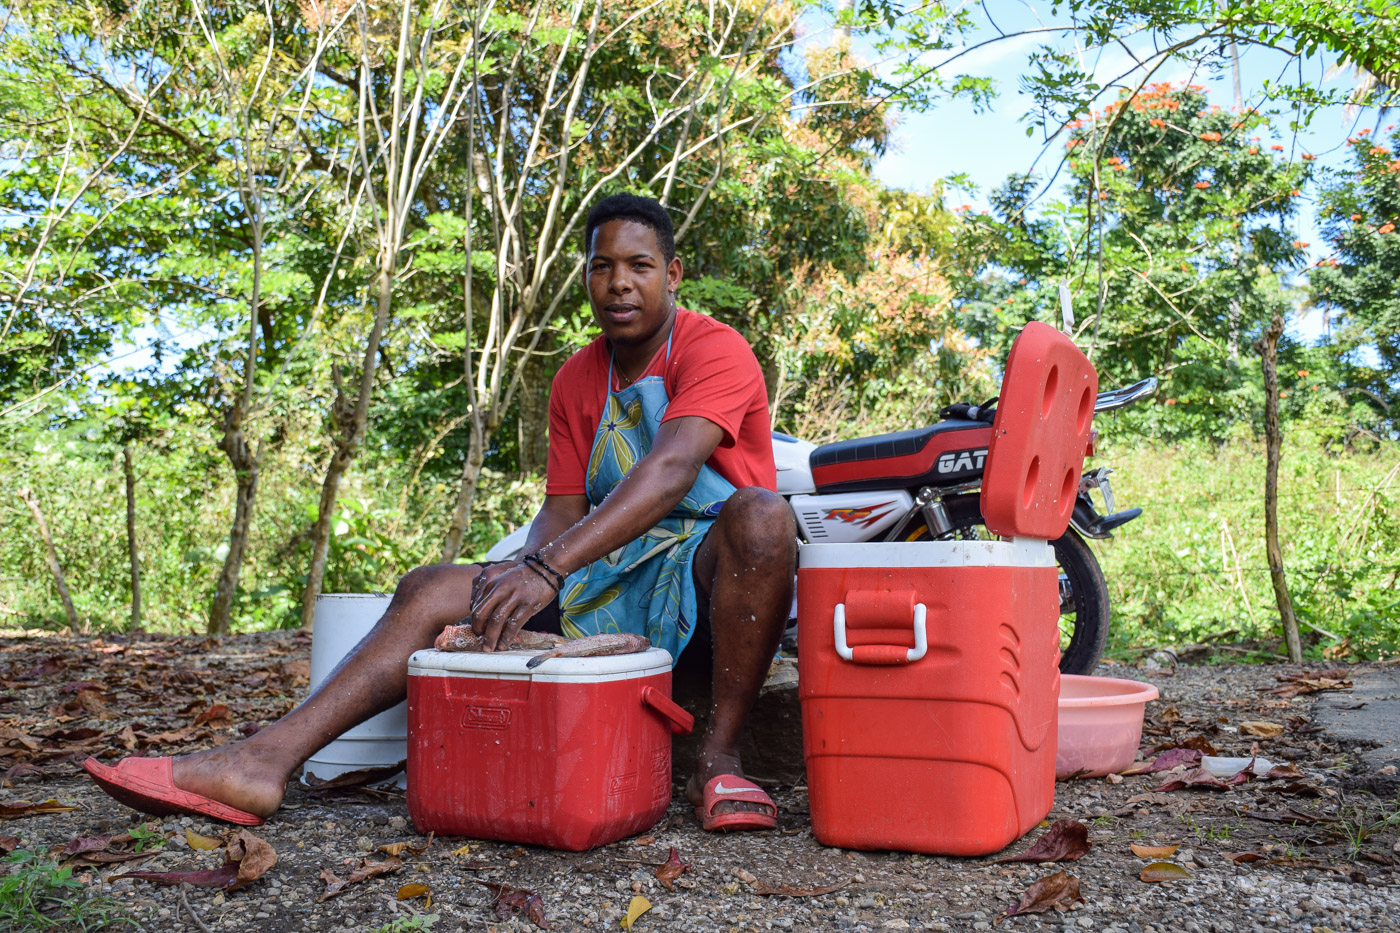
882	654
681	722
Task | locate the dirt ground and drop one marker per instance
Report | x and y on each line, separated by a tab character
1312	848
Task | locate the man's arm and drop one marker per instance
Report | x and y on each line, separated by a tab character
570	537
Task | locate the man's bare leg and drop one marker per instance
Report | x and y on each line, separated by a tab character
749	559
252	774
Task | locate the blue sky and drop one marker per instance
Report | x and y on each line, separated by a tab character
954	139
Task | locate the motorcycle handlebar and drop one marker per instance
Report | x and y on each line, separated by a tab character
1118	398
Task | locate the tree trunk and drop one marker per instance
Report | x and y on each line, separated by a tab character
129	472
51	553
245	470
342	422
351	423
1274	440
466	492
533	407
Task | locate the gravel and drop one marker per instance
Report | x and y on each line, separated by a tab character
1337	876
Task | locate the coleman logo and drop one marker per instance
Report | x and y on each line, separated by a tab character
486	717
956	461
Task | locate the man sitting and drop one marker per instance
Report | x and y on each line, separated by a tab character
660	459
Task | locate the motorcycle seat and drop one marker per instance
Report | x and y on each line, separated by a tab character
948	452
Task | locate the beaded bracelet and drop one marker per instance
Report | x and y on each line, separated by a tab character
540	573
537	560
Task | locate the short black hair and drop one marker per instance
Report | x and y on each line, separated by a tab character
645	211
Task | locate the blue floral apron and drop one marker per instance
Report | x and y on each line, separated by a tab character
646	587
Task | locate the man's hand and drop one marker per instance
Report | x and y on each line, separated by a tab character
504	597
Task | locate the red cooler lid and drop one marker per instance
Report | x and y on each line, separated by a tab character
1039	436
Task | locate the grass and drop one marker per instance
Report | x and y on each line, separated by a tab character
407	924
1361	824
1220	833
37	896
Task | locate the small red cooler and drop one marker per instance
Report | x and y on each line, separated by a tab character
929	671
571	755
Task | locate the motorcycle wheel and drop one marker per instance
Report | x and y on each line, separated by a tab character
1084	609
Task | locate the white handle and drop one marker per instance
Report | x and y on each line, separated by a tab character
838	623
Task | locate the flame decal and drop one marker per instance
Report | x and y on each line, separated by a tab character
861	517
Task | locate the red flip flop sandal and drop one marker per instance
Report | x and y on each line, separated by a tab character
727	787
148	785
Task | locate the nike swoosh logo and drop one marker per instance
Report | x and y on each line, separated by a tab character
721	789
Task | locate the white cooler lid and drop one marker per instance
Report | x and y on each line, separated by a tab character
510	665
1018	552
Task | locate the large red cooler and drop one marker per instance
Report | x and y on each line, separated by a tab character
929	672
928	681
571	755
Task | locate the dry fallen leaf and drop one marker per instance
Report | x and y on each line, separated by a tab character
643	840
635	909
8	844
1198	779
1169	759
21	808
197	841
413	890
463	852
1053	892
671	869
1288	815
1065	841
336	886
516	902
397	849
745	876
1154	851
215	716
362	777
1240	858
246	859
1260	729
1164	871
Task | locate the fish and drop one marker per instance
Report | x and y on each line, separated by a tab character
462	638
593	646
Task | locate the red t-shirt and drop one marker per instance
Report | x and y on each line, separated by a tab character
712	373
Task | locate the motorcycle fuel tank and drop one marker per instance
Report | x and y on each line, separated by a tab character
849	517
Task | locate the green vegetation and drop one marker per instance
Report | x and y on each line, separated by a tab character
36	896
1193	567
348	234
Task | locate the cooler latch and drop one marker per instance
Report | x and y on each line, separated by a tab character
882	654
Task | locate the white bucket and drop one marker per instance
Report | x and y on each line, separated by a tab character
342	619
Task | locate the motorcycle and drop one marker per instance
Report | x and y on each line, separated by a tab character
924	485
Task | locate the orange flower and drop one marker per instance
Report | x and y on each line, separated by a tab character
1253	150
1355	216
1202	184
1276	147
1299	244
1386	228
1158	122
1171	401
1302	374
1294	193
1379	150
1211	137
1308	157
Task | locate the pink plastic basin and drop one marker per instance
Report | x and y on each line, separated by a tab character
1100	724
